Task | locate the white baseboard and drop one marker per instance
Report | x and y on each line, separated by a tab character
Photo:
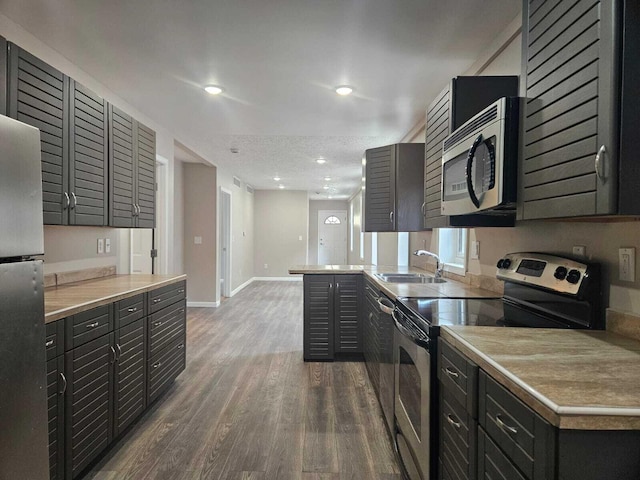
245	284
203	304
277	279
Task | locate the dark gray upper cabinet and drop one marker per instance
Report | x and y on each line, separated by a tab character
460	100
3	75
580	139
393	188
132	171
88	148
37	94
73	135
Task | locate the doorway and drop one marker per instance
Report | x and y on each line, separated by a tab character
332	237
225	242
141	246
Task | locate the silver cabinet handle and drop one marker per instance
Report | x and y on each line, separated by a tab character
453	422
64	384
180	347
93	325
66	197
75	201
182	310
156	300
157	364
599	162
391	217
451	373
133	207
119	352
181	290
115	356
138	207
49	343
337	287
132	309
157	324
424	204
504	426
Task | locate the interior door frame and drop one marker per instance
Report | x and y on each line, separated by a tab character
345	225
225	234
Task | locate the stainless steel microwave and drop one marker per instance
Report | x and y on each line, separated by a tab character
479	162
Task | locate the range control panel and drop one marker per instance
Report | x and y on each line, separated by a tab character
552	272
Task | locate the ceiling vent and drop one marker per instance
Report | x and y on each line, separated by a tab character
250	189
237	182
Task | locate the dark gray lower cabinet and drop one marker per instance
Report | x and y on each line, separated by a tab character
89	402
130	374
332	310
117	361
56	385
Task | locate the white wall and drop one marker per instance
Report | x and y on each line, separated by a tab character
58	255
281	225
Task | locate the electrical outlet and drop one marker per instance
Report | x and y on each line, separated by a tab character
579	250
300	237
101	245
197	240
266	266
107	245
475	250
627	262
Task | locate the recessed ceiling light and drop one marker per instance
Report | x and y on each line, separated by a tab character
344	90
321	160
326	187
327	179
280	187
213	89
277	179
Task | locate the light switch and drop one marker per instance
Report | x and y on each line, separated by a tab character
101	245
107	245
300	237
197	240
475	250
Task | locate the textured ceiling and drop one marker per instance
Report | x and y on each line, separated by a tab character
278	61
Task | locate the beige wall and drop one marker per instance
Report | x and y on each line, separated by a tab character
200	260
281	223
76	248
314	207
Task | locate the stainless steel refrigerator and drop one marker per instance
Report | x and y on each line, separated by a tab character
23	396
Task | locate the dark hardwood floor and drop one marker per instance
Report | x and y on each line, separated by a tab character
248	407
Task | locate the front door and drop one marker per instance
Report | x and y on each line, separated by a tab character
332	237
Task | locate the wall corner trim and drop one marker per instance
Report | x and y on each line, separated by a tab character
203	304
245	284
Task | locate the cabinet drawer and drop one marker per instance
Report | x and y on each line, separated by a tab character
492	463
129	310
86	326
526	438
54	342
164	367
458	438
459	375
166	326
167	295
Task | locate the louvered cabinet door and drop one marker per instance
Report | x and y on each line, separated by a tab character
55	404
88	402
145	177
88	146
380	189
130	374
121	174
438	127
569	80
37	94
318	335
348	308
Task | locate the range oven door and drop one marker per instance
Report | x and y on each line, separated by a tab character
412	364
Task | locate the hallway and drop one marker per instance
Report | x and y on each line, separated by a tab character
248	407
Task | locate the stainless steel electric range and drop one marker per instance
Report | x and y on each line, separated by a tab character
540	291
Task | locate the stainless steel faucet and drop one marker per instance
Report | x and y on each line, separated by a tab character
439	264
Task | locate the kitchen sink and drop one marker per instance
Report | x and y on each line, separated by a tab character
408	278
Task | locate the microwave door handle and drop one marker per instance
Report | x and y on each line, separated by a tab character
472	153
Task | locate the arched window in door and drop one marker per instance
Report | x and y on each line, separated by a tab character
332	220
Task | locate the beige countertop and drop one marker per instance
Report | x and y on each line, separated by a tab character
72	298
449	289
587	380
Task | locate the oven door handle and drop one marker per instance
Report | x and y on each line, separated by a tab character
470	156
407	333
